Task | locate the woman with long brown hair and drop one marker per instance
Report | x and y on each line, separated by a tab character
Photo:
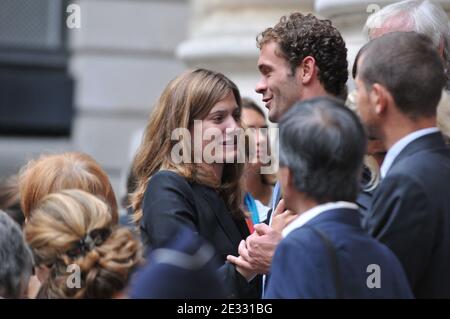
201	194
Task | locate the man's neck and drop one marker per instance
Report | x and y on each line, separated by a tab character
303	204
313	90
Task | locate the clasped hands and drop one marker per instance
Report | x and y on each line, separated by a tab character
256	252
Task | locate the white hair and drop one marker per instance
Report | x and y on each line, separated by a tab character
422	16
425	17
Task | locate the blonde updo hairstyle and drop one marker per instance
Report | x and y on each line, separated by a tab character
76	228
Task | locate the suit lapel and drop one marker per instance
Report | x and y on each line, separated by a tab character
424	143
223	216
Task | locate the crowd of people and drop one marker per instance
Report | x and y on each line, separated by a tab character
359	207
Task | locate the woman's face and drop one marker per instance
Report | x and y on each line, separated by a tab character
222	122
253	120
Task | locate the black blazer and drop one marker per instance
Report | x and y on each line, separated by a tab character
410	213
170	200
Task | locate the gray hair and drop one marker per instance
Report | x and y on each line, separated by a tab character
323	144
424	17
16	259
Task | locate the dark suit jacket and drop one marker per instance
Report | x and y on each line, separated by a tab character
170	200
302	266
410	213
168	276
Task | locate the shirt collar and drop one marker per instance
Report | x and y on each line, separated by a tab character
400	145
315	211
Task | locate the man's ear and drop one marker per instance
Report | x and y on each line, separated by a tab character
379	97
290	178
307	69
286	178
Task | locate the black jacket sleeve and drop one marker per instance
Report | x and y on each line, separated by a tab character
168	202
237	285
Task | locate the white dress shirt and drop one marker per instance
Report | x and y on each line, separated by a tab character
400	145
314	212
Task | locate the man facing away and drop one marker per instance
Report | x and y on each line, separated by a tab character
400	78
325	253
425	17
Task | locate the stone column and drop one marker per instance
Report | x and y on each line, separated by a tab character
122	58
223	32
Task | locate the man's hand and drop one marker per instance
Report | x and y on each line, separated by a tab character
261	247
256	253
282	217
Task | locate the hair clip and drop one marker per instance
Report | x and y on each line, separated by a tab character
93	239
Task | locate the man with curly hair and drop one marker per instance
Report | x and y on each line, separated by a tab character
301	57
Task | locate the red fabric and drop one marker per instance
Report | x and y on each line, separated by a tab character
250	225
